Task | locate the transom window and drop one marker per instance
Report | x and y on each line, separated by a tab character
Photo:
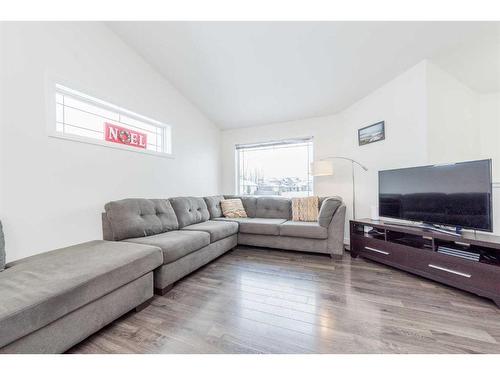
275	168
85	118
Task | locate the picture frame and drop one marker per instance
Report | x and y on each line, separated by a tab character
371	133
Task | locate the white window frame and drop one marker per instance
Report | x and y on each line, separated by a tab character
237	147
58	86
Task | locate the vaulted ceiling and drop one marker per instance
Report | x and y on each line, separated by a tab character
250	73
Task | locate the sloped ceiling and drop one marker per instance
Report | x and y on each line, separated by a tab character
251	73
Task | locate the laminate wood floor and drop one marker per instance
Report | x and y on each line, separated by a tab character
265	301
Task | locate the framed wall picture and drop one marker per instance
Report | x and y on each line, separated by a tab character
371	133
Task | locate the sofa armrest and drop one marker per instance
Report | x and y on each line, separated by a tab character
336	230
107	232
329	206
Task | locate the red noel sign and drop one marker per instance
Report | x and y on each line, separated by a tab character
124	136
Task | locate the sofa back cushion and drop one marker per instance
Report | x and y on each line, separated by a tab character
136	217
249	203
213	205
274	208
328	207
190	210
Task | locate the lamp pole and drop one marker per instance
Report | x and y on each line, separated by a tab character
353	179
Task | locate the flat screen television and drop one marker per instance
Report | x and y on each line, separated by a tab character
458	195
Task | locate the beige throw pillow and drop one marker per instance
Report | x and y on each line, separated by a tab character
305	209
232	208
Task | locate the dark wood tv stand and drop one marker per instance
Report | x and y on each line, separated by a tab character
416	250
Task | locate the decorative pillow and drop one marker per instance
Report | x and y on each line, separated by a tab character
233	208
2	249
305	209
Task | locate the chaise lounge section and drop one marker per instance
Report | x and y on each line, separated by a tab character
54	300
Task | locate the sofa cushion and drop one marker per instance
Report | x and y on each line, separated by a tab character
190	210
303	229
2	249
38	290
256	225
249	203
216	229
213	205
328	208
274	208
175	244
137	217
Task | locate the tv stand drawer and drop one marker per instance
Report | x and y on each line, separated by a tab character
449	270
472	276
377	251
380	251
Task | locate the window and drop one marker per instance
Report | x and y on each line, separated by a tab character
275	168
82	117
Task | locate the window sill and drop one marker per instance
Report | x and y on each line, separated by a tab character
97	142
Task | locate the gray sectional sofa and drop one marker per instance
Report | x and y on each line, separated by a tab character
51	301
191	231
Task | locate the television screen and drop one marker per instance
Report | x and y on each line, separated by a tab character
456	195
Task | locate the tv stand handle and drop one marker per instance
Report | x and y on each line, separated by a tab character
376	250
449	270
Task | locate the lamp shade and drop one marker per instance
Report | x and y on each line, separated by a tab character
322	168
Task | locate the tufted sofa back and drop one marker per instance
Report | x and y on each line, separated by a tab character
265	207
274	208
190	210
271	207
131	218
249	203
137	217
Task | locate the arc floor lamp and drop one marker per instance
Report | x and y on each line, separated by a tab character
324	167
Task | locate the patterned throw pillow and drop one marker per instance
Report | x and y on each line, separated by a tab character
233	208
305	209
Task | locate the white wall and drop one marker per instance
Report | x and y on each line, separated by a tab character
430	117
463	124
53	190
453	118
401	103
489	121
